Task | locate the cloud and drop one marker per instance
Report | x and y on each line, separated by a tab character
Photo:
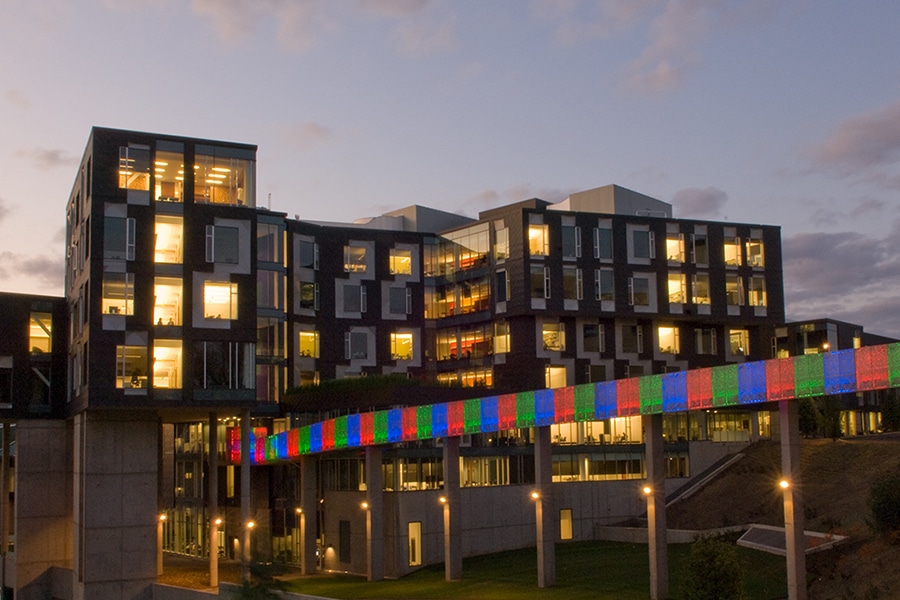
4	209
297	24
865	141
418	38
575	20
303	136
393	8
49	158
46	271
696	203
491	198
16	98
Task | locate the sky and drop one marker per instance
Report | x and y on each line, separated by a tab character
781	112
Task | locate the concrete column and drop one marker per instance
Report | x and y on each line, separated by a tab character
213	494
309	507
795	541
374	515
4	503
656	507
543	508
452	511
701	417
246	514
754	426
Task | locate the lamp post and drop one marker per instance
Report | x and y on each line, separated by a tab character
214	551
295	533
245	551
159	543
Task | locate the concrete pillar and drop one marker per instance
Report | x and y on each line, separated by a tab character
246	514
543	508
702	425
754	426
213	515
452	511
795	541
4	503
656	507
309	507
374	515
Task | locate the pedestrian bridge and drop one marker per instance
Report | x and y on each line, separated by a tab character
745	384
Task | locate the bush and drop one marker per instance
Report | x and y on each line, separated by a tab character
884	502
714	571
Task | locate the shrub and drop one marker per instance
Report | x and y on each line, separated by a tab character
714	571
884	502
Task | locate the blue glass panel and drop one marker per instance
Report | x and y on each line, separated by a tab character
605	400
840	372
439	420
395	425
281	445
315	437
752	382
544	411
353	431
674	391
490	414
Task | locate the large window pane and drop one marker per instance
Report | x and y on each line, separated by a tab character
134	168
167	305
538	240
355	259
223	180
309	344
401	261
40	333
220	300
169	233
167	364
168	168
131	367
118	293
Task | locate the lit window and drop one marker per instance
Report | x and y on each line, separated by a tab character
40	333
401	262
755	254
477	378
134	168
757	292
220	300
354	259
554	336
700	289
555	377
224	180
167	364
676	288
168	171
118	293
309	296
669	342
401	346
538	240
734	290
675	247
733	251
131	367
501	248
309	344
167	304
169	236
501	337
739	342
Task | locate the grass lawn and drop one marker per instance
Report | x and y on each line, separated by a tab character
584	571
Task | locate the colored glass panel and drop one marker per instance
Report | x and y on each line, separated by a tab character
583	402
395	425
281	445
651	394
315	437
809	375
525	409
353	440
328	434
700	392
233	444
893	354
472	415
423	422
294	443
380	426
564	404
439	423
456	418
840	372
490	414
366	429
674	392
872	368
606	404
628	396
543	407
305	440
410	423
752	382
340	432
725	385
506	412
779	378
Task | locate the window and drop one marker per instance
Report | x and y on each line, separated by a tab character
643	243
593	338
540	287
757	292
705	341
639	291
6	389
40	333
675	247
699	249
309	295
603	246
269	293
669	340
169	235
224	365
734	290
269	337
632	339
604	285
565	524
118	238
401	346
118	293
167	301
501	337
131	367
222	179
501	247
400	301
739	342
555	377
414	531
309	344
308	254
356	345
755	254
700	289
167	364
572	283
269	237
571	241
168	170
220	300
354	259
554	336
401	262
354	299
134	168
732	251
538	240
676	288
222	244
502	285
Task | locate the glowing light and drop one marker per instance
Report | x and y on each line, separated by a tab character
647	490
364	505
784	484
218	521
162	517
443	499
535	495
251	524
298	510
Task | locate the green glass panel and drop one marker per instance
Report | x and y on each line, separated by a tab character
893	353
809	375
340	432
304	439
525	409
381	427
725	385
584	402
423	422
651	394
472	415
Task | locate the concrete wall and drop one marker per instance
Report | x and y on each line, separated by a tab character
43	505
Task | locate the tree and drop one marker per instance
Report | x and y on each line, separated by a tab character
808	416
890	412
714	571
884	502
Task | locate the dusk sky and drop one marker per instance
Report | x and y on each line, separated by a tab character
775	112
